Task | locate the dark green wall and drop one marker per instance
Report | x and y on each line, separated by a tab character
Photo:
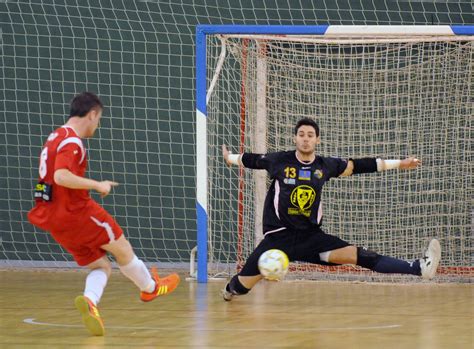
139	57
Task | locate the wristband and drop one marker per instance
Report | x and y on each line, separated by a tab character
383	165
234	159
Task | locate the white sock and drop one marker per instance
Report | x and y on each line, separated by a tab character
137	271
95	285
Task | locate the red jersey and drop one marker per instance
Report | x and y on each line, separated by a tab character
74	220
58	206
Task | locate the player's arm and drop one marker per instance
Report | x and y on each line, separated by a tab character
368	165
66	178
248	160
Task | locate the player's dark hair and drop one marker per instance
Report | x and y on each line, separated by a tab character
84	103
307	122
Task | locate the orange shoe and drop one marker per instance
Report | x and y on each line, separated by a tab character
90	315
163	286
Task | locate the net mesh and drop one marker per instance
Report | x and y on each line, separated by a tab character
121	51
389	100
138	56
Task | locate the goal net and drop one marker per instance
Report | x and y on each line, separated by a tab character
388	96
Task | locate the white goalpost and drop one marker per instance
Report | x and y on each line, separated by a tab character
384	91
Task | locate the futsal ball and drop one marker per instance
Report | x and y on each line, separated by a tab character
273	264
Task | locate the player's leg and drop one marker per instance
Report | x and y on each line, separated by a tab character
100	269
323	248
134	269
97	278
110	238
87	303
425	266
249	276
240	285
129	264
373	261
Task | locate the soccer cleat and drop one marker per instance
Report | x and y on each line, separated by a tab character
90	315
429	263
163	286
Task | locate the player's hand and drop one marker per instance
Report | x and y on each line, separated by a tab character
410	163
225	154
105	187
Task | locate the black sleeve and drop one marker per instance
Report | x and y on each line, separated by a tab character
364	165
258	161
336	166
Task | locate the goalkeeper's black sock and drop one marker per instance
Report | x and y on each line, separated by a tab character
392	265
235	286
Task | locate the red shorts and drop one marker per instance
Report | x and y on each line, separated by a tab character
92	229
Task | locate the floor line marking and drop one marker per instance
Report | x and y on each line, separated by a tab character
32	321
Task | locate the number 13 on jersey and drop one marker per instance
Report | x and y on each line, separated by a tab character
290	172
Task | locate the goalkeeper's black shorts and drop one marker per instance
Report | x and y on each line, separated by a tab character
298	245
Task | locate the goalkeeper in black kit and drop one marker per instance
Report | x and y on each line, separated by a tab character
293	212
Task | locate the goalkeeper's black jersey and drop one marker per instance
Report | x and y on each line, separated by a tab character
294	198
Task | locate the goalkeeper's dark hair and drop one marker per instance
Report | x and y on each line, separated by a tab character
83	103
307	122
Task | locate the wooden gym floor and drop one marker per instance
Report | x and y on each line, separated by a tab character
37	311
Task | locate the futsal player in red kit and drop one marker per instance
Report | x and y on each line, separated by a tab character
79	224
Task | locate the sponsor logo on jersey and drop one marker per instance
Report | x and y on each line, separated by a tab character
43	191
302	198
304	175
318	174
289	181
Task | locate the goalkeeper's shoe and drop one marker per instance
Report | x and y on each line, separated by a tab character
90	315
227	295
163	286
429	263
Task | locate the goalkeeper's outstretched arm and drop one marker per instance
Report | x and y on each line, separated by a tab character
247	160
367	165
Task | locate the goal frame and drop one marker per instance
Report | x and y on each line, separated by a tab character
202	31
